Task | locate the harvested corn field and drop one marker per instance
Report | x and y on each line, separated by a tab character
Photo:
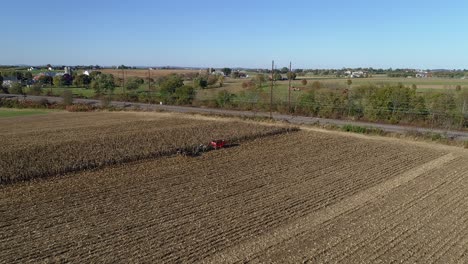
307	196
88	141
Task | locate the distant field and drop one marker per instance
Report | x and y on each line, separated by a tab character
144	73
77	91
6	112
434	83
280	90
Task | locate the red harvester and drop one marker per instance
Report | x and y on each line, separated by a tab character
216	144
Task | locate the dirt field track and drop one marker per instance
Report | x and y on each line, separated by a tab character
301	197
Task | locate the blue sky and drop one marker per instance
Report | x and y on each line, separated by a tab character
312	34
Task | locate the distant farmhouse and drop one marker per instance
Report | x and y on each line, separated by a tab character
67	70
423	74
218	72
356	74
51	74
8	81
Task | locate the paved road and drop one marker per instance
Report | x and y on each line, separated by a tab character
458	135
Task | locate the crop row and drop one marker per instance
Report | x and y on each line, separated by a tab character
424	221
38	154
185	210
277	200
64	120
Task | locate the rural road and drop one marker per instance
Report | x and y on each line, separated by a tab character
458	135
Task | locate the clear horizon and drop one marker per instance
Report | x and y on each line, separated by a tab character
199	67
399	34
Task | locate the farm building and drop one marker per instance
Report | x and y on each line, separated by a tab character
67	70
51	74
423	74
218	72
356	74
8	81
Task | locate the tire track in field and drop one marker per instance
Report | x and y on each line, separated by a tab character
369	223
165	238
200	249
446	242
242	251
174	258
406	229
391	217
452	221
423	221
395	220
270	220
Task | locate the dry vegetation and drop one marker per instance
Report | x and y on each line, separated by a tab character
303	197
144	73
39	152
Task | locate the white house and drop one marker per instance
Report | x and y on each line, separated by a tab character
67	70
359	74
422	74
218	72
9	81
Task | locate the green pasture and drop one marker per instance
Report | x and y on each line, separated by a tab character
83	92
425	83
281	87
7	112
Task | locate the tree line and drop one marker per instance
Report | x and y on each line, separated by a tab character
399	103
376	103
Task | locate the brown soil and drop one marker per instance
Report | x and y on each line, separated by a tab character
301	197
424	221
70	142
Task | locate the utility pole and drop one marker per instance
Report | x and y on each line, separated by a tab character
463	113
149	80
349	102
123	80
271	88
289	87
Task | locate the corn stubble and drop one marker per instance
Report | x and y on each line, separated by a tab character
38	154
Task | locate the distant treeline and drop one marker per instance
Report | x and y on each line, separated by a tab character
389	103
385	103
449	74
390	72
393	73
378	103
437	74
